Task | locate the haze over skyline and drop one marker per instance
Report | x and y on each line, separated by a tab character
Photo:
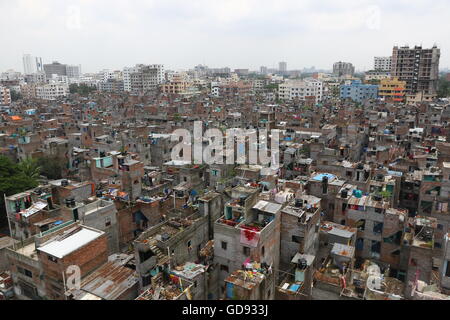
105	34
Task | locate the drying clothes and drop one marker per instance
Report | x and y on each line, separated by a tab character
250	238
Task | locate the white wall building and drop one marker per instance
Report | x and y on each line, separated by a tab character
32	64
376	75
300	89
142	78
215	89
382	64
52	91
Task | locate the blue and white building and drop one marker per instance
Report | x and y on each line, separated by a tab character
359	92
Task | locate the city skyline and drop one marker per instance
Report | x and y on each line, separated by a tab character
238	34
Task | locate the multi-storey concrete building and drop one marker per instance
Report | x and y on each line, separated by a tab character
55	68
383	64
343	69
301	89
359	92
52	91
143	78
5	96
392	90
419	68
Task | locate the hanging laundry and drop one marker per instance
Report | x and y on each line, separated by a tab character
249	237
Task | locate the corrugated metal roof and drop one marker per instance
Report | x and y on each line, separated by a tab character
267	206
110	280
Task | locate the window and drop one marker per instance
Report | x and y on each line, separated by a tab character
359	244
28	291
376	247
296	239
143	256
224	245
378	227
26	272
107	222
52	258
246	251
361	225
146	280
224	268
263	251
189	245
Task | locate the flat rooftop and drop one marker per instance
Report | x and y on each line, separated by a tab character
60	247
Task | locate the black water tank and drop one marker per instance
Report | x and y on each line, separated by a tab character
344	194
70	202
302	263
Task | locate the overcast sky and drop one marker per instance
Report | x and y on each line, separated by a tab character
109	34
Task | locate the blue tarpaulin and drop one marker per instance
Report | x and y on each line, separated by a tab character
230	287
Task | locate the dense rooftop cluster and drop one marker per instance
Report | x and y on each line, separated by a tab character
359	208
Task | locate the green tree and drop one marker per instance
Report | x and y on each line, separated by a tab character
15	95
51	167
272	87
81	89
30	168
443	88
15	178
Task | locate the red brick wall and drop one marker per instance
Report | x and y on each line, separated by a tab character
88	258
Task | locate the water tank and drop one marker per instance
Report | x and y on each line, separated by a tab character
344	194
298	203
64	183
70	202
302	263
377	197
357	193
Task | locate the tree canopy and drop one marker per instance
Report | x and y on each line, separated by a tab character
51	167
16	178
444	88
81	89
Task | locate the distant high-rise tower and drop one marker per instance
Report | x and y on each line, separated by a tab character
39	65
263	70
418	67
32	64
282	67
343	68
73	71
55	68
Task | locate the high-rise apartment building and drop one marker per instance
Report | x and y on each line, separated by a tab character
143	78
282	67
343	69
382	63
73	71
32	64
55	68
419	68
